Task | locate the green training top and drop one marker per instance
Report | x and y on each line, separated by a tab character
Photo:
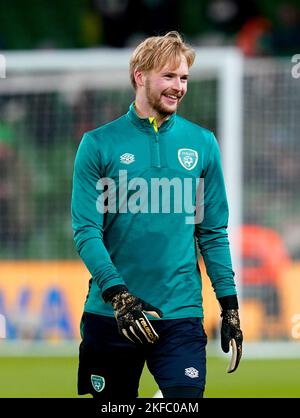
139	229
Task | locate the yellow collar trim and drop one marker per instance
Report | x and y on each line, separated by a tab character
153	122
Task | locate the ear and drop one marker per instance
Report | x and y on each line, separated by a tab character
139	78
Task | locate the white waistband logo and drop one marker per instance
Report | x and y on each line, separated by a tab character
191	372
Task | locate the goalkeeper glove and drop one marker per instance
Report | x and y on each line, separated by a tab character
129	313
230	330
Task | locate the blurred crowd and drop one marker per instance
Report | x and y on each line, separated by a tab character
40	131
259	28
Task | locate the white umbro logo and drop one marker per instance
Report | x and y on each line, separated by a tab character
191	372
127	158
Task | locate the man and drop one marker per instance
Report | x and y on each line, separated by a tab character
136	237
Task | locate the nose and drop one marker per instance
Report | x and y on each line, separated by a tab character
177	84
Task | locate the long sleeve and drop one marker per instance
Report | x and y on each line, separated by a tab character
87	221
211	233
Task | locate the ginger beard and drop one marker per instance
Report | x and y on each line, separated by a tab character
161	102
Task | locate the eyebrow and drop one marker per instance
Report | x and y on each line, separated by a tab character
174	74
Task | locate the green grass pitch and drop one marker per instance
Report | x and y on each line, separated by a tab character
55	377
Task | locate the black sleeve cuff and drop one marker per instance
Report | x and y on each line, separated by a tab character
229	302
109	293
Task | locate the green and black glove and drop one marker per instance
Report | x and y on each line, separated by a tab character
130	316
230	330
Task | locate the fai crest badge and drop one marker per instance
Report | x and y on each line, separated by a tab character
188	158
98	382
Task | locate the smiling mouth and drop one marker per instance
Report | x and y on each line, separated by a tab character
172	97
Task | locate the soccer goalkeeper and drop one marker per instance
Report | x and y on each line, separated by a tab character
144	302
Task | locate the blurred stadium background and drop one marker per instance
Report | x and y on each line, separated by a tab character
67	72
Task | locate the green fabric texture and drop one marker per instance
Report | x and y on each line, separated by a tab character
153	253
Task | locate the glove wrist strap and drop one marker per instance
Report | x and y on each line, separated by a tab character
111	292
229	302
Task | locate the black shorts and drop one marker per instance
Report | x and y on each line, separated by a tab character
110	366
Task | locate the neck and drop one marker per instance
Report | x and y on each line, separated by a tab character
144	110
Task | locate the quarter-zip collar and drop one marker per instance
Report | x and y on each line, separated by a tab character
148	123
